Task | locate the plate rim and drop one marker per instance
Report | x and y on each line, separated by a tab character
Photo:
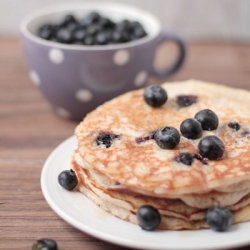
104	236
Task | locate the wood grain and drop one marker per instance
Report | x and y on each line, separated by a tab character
29	131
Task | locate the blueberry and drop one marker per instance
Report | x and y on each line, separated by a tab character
89	40
69	19
186	100
85	22
46	26
208	119
123	26
106	23
117	37
235	126
211	147
101	38
139	32
191	129
155	95
108	34
104	139
94	16
79	35
219	218
68	179
148	217
185	158
44	244
93	29
46	34
167	137
64	35
46	31
72	26
134	25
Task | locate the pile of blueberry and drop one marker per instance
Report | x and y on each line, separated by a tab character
210	147
94	29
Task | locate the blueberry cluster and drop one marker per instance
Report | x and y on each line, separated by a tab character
205	119
94	29
210	147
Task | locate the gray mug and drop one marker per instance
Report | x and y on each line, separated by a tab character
75	79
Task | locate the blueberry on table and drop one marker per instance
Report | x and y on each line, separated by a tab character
155	95
148	217
211	147
44	244
167	137
191	129
68	179
219	218
208	119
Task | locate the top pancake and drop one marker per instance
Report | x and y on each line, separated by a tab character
147	168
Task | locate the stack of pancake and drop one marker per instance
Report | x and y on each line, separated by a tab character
120	167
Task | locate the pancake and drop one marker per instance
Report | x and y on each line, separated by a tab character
175	214
137	171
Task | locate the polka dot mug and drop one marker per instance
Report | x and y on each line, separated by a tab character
75	79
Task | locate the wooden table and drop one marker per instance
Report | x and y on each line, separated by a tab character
29	131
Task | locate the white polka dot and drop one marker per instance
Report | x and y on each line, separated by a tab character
84	95
56	56
121	57
62	112
35	78
141	78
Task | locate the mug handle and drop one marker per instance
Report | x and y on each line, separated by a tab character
164	37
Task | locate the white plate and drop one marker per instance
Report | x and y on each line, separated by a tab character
83	214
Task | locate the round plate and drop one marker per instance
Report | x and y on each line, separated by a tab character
80	212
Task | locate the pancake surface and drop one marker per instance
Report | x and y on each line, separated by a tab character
133	164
